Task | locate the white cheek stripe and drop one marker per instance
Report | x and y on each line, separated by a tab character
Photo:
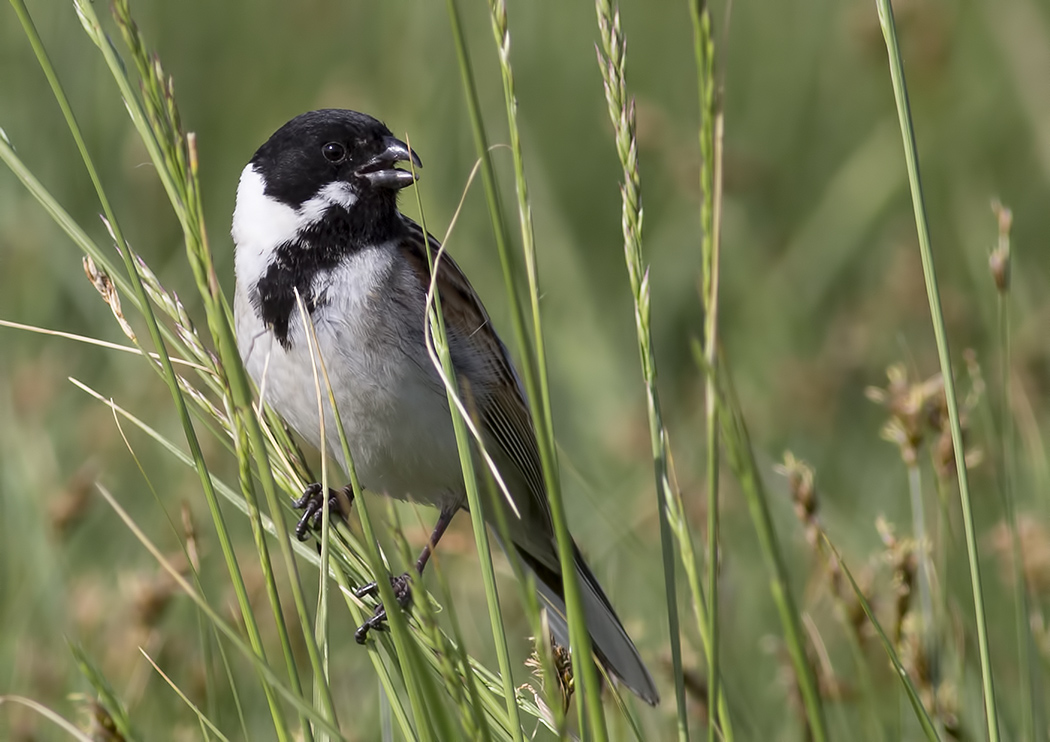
333	194
261	224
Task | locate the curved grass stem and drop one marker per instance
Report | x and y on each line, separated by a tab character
911	156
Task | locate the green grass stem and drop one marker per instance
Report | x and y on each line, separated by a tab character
710	131
438	345
612	61
91	24
61	722
1032	719
180	158
921	714
185	699
501	36
584	671
741	459
406	653
273	681
911	156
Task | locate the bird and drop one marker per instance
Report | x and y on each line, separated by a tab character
316	220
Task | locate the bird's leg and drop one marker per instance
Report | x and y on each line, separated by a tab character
402	584
312	505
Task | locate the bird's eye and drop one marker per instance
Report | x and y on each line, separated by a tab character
333	151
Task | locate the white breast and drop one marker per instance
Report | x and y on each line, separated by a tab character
391	401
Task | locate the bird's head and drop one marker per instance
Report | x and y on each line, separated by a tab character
319	162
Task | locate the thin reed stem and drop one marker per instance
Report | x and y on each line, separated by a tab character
911	156
922	537
437	341
501	35
1032	723
710	131
612	57
909	688
584	670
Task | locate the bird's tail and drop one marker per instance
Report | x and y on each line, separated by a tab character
612	647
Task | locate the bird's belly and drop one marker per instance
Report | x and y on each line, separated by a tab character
391	405
400	437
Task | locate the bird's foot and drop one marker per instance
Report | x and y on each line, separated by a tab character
312	505
402	586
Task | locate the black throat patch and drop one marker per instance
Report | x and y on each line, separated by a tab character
317	250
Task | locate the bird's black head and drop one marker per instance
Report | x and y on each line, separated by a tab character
323	187
338	158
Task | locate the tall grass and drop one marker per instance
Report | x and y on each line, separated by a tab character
584	670
431	676
911	157
612	60
711	135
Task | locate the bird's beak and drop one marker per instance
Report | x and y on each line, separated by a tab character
380	170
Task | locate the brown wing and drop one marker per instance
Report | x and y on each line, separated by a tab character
485	363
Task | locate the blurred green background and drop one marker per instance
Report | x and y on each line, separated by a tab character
822	290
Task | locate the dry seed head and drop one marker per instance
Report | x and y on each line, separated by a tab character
901	556
858	619
948	709
695	684
562	671
545	711
151	599
999	258
999	265
104	285
803	493
914	408
915	659
944	450
101	728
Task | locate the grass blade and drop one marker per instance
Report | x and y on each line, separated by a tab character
438	345
91	24
185	699
107	698
741	459
612	61
271	678
583	669
526	581
711	122
909	688
59	721
911	157
406	651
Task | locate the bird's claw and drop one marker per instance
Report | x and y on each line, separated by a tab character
402	585
312	506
